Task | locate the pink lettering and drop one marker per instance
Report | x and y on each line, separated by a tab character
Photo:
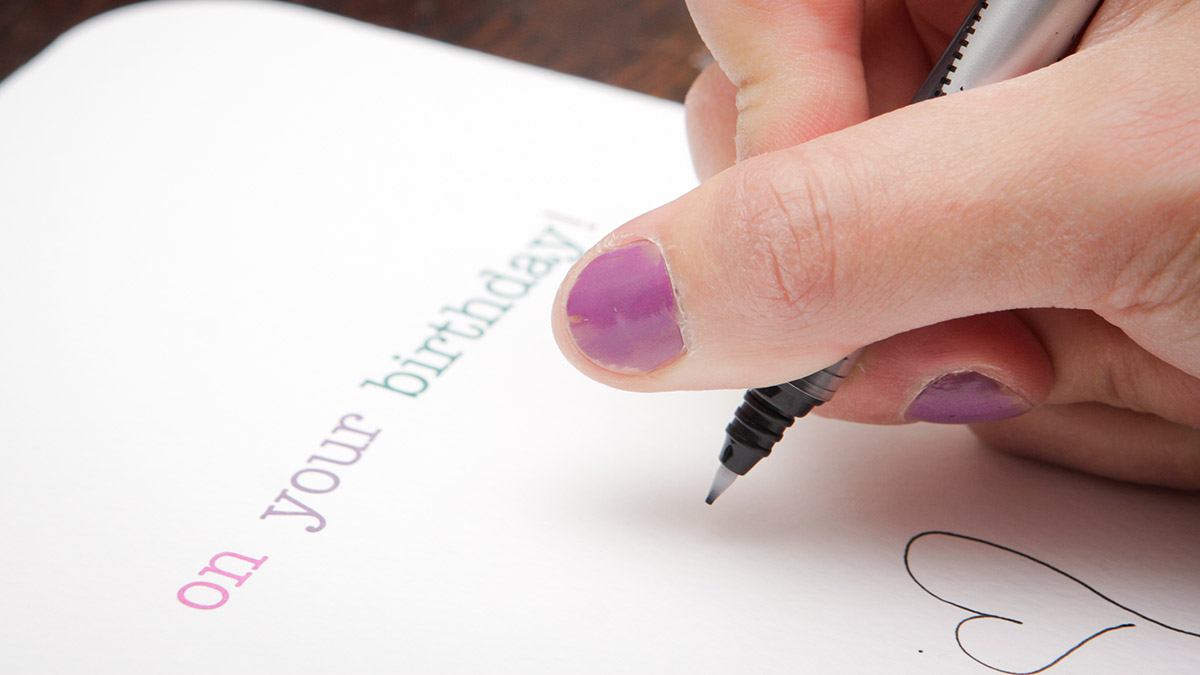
212	566
183	595
196	599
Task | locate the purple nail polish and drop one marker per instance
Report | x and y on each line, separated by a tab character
622	310
963	398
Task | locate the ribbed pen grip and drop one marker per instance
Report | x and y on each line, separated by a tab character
759	423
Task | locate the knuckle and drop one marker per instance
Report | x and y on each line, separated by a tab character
1160	268
1147	150
1117	382
780	220
1165	277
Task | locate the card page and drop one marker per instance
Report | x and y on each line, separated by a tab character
279	395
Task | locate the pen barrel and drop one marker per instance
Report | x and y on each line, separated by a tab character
1003	39
823	384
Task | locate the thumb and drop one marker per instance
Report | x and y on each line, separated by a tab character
1001	197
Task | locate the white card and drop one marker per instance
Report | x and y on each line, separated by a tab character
220	223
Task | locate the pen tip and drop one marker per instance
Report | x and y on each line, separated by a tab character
720	484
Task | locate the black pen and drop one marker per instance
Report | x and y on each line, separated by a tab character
999	40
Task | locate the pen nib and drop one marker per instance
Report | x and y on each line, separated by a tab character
721	483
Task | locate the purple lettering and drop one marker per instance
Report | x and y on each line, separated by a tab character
271	511
333	481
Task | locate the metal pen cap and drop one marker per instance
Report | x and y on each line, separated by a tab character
1003	39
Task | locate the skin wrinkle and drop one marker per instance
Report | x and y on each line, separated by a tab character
1171	282
1120	18
1138	378
786	280
768	216
799	248
823	224
1162	199
1117	387
826	94
1111	372
1171	250
757	99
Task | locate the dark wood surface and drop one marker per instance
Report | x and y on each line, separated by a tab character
644	45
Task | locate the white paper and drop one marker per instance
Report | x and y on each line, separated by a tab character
218	220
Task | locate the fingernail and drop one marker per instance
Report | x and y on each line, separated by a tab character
621	310
964	398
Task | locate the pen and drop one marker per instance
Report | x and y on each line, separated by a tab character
1000	39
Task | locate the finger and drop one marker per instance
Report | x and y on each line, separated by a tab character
903	38
974	369
967	204
900	45
934	22
993	366
711	115
1096	361
1104	440
795	64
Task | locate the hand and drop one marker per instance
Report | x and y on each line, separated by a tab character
1023	256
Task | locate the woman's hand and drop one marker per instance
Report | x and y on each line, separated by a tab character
1024	256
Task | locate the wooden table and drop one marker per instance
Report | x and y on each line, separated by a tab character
644	45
